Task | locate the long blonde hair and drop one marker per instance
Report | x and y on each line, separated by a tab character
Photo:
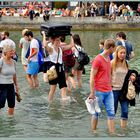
116	59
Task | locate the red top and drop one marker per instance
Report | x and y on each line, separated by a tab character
102	80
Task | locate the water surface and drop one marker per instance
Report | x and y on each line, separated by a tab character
34	117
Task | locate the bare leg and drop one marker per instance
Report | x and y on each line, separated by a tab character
94	123
123	123
68	82
72	81
30	81
74	72
36	82
25	67
10	111
79	78
45	78
63	93
111	126
51	93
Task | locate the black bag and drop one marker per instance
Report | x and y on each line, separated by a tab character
83	58
53	30
138	84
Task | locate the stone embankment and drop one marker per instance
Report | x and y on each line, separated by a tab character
88	23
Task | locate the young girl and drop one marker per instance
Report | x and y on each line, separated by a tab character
77	69
120	80
119	69
55	53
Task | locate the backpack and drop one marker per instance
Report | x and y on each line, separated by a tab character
138	84
68	58
83	58
40	53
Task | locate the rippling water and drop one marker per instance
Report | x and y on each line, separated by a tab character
34	117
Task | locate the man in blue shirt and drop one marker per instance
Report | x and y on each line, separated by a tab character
121	40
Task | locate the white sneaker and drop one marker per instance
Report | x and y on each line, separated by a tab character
90	106
96	105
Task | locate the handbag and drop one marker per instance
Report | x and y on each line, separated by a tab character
131	94
52	73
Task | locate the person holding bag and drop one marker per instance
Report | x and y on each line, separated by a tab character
8	81
100	86
55	54
119	69
123	84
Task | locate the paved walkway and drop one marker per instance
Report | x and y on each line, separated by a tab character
90	23
72	20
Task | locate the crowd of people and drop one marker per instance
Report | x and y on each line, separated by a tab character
110	76
80	11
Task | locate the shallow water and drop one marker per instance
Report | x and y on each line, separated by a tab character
34	117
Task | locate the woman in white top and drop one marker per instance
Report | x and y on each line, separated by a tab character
119	71
55	54
24	45
8	80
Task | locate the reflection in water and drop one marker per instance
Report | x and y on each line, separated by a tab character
34	117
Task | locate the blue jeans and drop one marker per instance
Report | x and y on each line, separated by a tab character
124	104
107	99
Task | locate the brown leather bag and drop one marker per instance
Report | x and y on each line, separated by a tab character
131	94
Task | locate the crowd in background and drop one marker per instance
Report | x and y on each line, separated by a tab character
81	10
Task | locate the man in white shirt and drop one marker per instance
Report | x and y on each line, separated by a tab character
33	65
7	41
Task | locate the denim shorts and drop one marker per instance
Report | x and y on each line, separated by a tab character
124	104
107	99
32	68
7	92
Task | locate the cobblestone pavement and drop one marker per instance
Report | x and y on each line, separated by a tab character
72	20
